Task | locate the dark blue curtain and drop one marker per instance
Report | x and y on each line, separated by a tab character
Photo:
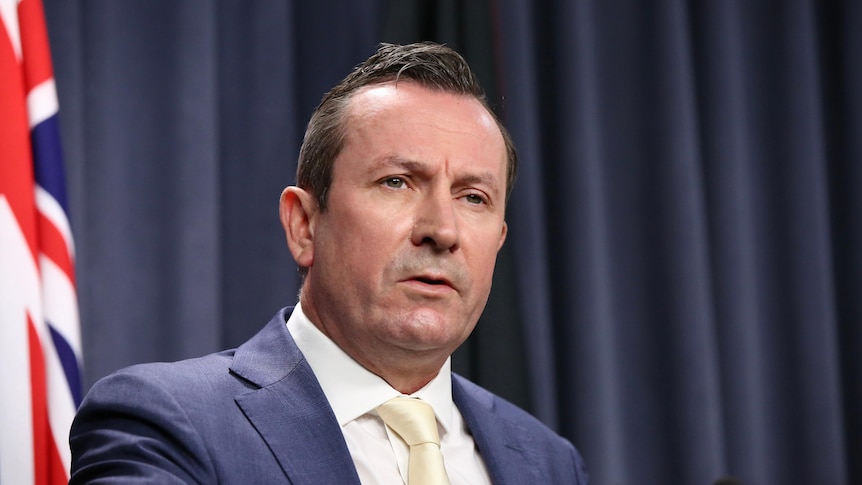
679	295
687	224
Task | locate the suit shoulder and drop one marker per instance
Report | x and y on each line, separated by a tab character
142	383
182	369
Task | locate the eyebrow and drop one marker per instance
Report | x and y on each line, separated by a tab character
415	166
403	163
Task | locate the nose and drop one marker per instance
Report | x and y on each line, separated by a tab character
436	224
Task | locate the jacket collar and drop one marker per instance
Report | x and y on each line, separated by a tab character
289	410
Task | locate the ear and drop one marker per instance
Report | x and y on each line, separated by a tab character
298	212
503	235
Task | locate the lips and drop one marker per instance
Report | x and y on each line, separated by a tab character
432	280
429	273
431	284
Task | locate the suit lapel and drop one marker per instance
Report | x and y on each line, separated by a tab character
496	437
290	411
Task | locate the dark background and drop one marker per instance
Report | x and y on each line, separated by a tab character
681	291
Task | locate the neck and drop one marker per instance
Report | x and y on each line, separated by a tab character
407	381
406	370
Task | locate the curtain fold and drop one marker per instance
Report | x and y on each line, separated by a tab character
685	217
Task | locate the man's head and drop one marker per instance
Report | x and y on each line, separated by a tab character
430	65
400	260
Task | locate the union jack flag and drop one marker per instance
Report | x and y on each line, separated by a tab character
40	345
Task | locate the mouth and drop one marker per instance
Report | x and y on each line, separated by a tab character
433	281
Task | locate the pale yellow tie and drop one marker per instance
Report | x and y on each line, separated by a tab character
413	420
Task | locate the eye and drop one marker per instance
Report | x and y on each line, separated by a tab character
394	182
474	199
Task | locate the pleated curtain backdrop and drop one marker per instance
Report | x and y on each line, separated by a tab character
692	231
680	291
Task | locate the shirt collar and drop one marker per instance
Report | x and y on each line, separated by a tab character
353	390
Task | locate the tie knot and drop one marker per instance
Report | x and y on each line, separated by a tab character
412	419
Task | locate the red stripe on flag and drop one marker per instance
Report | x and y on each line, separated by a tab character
16	162
49	469
53	246
34	43
56	470
38	390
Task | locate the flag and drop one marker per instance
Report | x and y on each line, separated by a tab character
40	346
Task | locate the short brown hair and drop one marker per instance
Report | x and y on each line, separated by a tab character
428	64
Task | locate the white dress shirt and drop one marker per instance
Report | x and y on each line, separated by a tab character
354	392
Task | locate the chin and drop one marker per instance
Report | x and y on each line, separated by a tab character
421	328
429	330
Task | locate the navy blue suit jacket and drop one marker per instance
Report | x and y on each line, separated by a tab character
258	415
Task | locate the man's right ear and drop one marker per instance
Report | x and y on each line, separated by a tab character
298	212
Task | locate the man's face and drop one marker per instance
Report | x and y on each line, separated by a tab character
404	254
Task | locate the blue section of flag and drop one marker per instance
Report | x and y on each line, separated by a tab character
48	160
70	364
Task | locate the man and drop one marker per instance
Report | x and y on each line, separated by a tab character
396	221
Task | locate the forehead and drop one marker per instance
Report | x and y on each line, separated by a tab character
404	119
410	96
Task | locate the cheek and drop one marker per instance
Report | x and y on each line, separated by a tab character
358	251
485	254
487	272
